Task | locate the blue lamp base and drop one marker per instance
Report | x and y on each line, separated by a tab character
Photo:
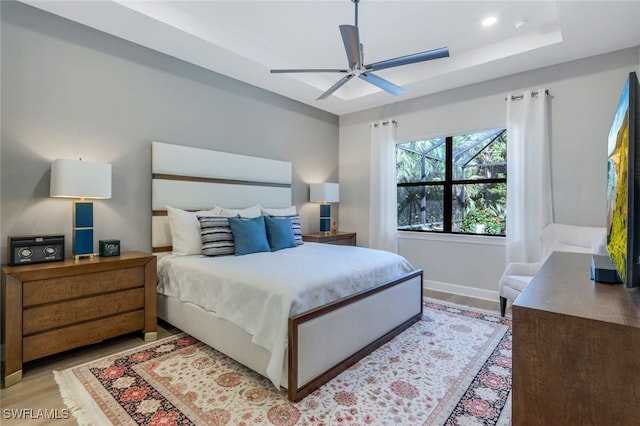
325	218
83	229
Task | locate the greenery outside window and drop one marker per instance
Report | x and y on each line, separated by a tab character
453	184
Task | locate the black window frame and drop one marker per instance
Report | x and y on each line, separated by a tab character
448	184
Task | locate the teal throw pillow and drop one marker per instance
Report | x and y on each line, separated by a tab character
249	235
279	233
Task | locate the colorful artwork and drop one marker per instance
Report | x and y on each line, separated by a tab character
617	189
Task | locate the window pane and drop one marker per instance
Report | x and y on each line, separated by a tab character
408	166
420	161
420	208
479	208
481	155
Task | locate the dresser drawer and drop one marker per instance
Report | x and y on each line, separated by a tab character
55	315
74	336
62	288
343	242
339	238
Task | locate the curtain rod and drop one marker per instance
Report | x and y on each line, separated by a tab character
385	123
521	95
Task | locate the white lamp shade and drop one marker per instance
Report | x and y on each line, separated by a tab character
80	179
324	193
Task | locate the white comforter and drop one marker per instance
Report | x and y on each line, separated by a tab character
258	292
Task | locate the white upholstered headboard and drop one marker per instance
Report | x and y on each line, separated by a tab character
199	179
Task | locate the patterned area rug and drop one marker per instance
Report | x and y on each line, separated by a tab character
451	368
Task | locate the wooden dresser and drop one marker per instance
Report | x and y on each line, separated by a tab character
53	307
576	348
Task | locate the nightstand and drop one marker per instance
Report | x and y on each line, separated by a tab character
340	238
53	307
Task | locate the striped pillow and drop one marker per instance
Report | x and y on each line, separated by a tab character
297	231
217	239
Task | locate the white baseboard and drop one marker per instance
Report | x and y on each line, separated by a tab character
462	290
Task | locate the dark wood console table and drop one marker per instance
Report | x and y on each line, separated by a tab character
576	348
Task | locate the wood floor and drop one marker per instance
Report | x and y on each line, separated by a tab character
39	391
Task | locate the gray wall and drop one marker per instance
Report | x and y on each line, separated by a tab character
69	91
584	96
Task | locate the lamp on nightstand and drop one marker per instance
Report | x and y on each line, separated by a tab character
324	193
83	180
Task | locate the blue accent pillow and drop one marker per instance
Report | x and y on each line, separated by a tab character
279	233
295	224
249	235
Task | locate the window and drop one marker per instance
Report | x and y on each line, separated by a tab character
453	184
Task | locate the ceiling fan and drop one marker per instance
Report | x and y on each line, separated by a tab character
353	47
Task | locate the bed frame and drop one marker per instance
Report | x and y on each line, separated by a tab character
323	341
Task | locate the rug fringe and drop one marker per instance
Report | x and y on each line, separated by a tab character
75	397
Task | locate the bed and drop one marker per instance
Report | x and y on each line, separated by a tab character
298	316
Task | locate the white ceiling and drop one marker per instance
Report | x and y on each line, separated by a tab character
245	39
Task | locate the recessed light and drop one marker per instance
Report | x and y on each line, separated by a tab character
487	22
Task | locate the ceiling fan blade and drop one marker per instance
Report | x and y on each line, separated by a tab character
443	52
351	40
382	83
307	70
335	87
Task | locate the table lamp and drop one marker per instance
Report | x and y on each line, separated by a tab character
83	180
324	193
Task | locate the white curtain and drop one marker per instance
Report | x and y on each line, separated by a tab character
529	198
383	208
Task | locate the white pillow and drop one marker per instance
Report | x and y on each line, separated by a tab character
249	212
289	211
185	230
